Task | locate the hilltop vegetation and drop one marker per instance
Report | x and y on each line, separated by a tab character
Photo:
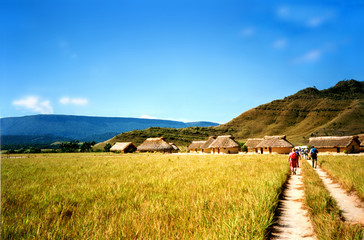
335	111
181	137
338	110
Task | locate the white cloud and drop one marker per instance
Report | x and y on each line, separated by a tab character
34	104
74	101
248	32
280	43
311	56
306	15
147	117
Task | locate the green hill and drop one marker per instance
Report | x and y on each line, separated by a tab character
338	110
335	111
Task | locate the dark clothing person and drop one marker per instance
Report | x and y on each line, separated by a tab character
313	154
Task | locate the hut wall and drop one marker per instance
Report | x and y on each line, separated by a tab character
233	150
283	150
252	150
354	147
278	150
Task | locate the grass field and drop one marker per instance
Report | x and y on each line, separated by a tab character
347	170
140	196
324	213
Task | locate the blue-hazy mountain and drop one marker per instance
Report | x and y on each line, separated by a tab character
82	128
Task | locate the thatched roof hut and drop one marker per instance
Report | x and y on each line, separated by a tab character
336	143
195	146
274	144
224	144
175	148
155	145
125	147
252	144
205	147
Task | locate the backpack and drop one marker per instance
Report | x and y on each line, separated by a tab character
313	152
294	156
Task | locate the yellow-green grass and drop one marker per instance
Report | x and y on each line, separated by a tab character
347	170
324	213
140	196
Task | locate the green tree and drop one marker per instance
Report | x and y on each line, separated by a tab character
107	147
69	146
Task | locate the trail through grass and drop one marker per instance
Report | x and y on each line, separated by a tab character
142	196
324	213
347	170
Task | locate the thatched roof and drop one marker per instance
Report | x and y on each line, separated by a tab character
253	142
332	141
154	144
207	144
275	141
174	146
361	139
196	145
121	146
224	142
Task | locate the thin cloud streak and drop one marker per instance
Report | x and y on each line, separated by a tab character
73	101
311	56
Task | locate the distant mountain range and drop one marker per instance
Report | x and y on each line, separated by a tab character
338	110
50	128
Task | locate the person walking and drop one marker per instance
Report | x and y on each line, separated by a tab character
313	154
293	158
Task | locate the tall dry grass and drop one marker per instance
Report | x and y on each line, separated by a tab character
325	215
347	170
140	196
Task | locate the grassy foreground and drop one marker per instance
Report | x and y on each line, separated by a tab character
347	170
140	196
323	211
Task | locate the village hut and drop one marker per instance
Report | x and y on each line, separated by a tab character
175	148
123	147
224	145
195	146
335	144
274	144
361	140
205	147
252	144
155	145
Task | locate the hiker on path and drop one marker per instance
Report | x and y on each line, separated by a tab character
293	159
298	152
313	154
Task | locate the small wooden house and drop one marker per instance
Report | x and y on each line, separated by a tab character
155	145
274	144
175	148
205	147
195	146
335	144
252	144
123	147
224	145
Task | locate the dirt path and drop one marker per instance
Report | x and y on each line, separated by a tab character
293	221
351	206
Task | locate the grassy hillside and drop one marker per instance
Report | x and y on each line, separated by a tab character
310	112
335	111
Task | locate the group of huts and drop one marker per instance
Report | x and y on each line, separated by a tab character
215	145
227	145
326	144
158	144
279	145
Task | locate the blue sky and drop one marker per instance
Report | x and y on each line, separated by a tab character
181	60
